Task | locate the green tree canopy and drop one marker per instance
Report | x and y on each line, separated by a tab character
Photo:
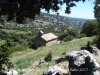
4	60
97	9
72	31
97	15
90	27
22	9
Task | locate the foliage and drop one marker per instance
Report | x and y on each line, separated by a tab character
73	32
97	10
2	42
90	27
69	35
61	37
68	38
97	16
82	35
22	9
17	47
48	57
14	39
5	62
95	40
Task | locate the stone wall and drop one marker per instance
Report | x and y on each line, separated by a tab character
51	42
39	42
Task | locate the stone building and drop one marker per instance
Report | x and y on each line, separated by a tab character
44	39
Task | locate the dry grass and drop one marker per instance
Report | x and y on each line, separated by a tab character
24	60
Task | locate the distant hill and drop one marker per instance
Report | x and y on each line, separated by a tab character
45	19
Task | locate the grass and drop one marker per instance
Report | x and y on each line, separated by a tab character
24	59
15	31
9	31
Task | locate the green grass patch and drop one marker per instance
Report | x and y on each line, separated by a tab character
2	42
9	31
15	31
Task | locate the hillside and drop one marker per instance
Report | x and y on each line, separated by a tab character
27	61
45	19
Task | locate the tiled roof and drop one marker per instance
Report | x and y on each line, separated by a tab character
48	36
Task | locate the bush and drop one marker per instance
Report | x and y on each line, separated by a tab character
82	35
96	40
17	47
48	57
61	37
68	38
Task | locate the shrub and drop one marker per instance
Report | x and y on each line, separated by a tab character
96	40
48	57
61	37
82	35
68	38
17	47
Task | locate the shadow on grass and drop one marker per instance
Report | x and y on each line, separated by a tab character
62	59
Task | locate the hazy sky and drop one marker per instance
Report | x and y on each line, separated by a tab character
82	10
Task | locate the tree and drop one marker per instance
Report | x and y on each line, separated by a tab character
90	27
68	38
22	9
97	10
72	31
69	35
97	15
4	60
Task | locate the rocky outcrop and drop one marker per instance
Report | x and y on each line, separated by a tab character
13	72
92	49
82	63
56	70
95	50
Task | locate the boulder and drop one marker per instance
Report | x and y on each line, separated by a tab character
95	50
13	72
82	62
92	49
95	71
3	73
55	70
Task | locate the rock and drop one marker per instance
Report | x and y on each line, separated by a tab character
95	50
41	62
9	73
3	73
13	72
92	49
55	70
95	71
81	62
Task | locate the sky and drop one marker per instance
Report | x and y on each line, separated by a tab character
82	10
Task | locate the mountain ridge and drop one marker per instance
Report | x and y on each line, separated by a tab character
59	20
46	19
